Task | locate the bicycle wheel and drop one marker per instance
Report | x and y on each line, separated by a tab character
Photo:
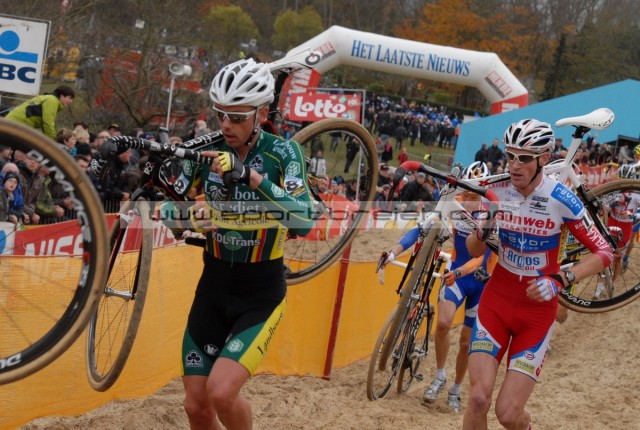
338	219
50	274
408	294
622	279
115	323
417	347
380	379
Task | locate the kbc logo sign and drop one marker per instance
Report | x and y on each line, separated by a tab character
22	50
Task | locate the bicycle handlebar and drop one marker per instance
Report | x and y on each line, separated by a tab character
449	179
119	144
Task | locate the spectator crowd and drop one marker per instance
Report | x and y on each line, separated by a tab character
30	193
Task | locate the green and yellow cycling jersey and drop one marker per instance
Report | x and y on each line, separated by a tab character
253	224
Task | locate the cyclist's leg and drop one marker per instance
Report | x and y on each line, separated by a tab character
462	359
512	398
490	338
471	291
446	312
483	370
531	333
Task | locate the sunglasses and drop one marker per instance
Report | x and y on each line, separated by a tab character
233	117
522	158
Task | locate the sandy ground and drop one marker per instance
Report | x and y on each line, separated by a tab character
591	380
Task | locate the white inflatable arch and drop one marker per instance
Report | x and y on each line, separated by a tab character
482	70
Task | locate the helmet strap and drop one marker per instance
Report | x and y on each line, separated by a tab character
538	170
256	127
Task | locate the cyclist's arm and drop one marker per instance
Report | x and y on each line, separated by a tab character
471	265
601	254
408	240
289	201
476	247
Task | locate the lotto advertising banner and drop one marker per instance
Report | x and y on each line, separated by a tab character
23	46
314	106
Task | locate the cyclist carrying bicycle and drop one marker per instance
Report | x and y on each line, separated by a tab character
518	305
459	285
255	192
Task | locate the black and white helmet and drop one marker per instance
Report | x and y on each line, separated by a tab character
475	170
243	83
627	171
530	134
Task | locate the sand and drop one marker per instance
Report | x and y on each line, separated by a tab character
591	380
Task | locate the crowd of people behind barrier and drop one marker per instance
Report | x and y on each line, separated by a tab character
38	198
590	153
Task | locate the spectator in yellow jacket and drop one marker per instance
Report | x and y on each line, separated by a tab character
40	112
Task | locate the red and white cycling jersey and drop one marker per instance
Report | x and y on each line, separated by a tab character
533	229
623	206
622	211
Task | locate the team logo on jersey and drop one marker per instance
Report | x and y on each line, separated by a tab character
528	261
257	163
187	169
181	184
524	367
294	185
277	191
211	350
567	198
538	207
235	345
293	169
481	345
193	359
214	177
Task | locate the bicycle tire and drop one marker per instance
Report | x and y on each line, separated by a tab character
386	375
626	287
114	325
306	257
426	254
420	331
52	275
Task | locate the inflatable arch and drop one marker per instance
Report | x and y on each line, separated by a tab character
482	70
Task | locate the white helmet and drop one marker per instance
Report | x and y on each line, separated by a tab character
530	134
243	83
475	170
627	171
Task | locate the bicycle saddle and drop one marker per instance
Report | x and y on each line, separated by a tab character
302	59
599	119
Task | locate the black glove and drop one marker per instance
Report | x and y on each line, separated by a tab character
234	171
110	147
107	148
